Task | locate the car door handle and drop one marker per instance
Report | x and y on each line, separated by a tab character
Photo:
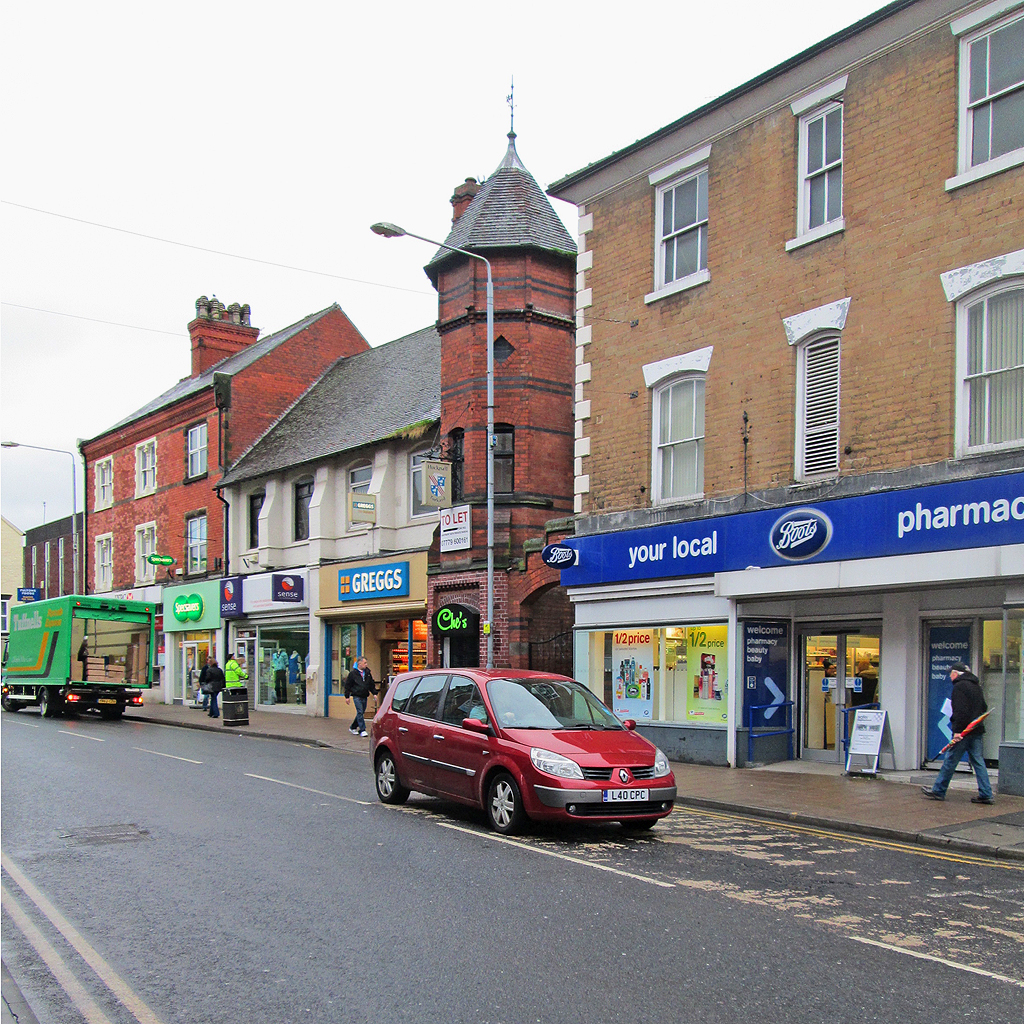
402	728
438	735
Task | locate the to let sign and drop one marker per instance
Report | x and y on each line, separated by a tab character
456	524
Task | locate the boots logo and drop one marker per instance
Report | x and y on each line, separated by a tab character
801	534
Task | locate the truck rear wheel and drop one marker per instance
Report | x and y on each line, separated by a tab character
49	706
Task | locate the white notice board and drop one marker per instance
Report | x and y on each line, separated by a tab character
868	734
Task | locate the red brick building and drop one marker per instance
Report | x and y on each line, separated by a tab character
510	221
49	557
150	479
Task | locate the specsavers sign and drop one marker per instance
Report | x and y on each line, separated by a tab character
192	608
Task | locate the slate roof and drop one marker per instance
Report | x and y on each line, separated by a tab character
510	211
359	400
188	386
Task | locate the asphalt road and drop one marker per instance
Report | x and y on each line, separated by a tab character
165	875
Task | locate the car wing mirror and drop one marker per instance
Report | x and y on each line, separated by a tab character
475	725
629	724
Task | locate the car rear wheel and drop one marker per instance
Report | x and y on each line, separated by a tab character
639	824
505	805
389	789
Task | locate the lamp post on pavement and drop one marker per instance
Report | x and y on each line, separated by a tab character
387	230
74	499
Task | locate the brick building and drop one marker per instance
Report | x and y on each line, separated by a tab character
49	561
508	220
150	478
799	418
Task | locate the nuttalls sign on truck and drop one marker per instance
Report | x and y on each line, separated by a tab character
72	654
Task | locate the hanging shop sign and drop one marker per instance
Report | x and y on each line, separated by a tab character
274	592
231	597
954	516
765	672
362	508
456	528
455	620
438	476
193	607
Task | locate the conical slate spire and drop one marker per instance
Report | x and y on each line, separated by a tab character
510	211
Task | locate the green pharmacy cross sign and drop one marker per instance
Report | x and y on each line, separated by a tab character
160	560
188	608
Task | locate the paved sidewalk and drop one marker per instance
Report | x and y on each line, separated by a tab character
890	806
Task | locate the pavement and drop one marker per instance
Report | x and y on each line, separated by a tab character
888	806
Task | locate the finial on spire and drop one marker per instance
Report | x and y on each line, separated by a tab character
511	107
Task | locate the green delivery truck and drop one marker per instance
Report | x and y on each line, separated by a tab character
78	653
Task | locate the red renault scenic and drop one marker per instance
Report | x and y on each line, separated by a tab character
519	744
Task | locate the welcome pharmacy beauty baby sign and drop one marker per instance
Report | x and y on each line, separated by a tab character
945	517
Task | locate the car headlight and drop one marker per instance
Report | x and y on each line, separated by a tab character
550	763
661	767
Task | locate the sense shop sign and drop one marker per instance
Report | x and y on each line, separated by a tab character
944	517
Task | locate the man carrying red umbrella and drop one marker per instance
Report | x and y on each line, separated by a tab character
968	706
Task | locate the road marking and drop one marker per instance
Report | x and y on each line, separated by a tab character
559	856
306	789
938	960
887	844
12	721
160	753
81	735
58	968
142	1013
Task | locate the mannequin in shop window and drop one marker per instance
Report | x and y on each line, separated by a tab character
279	661
293	674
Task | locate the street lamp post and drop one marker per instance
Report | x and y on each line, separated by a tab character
387	230
74	500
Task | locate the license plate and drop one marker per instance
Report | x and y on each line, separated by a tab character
625	796
106	700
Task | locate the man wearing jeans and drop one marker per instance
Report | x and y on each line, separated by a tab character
358	686
968	703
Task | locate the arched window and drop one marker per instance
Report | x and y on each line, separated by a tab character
817	407
457	456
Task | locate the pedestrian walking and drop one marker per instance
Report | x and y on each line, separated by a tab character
215	682
358	686
968	703
203	689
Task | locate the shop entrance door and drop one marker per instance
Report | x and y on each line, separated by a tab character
190	670
840	672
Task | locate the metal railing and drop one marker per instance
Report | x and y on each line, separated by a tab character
751	735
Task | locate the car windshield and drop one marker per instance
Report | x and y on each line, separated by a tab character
547	704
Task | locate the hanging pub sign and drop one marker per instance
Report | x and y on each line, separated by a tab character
437	476
455	620
362	508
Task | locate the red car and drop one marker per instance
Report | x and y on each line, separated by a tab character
519	744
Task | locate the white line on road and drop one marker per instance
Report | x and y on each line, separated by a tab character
160	753
11	721
58	968
559	856
306	789
938	960
81	735
142	1013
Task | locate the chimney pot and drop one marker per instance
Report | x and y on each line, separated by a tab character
463	196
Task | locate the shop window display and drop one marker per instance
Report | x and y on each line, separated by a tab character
283	661
659	674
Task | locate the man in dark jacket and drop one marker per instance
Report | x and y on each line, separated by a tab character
358	686
968	703
215	683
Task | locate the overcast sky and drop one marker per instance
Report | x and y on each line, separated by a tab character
279	134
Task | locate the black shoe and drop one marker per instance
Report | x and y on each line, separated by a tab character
982	800
931	794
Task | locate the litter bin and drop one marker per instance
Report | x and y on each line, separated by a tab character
235	705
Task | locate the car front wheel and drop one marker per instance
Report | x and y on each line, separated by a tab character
505	805
389	789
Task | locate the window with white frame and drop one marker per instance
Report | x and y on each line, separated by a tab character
992	95
60	565
821	167
46	569
990	368
255	508
145	468
104	483
145	545
417	482
196	443
817	407
104	562
682	227
5	608
303	497
195	545
359	479
678	470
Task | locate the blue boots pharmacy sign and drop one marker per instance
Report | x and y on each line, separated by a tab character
945	517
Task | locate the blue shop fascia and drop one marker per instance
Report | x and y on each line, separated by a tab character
791	615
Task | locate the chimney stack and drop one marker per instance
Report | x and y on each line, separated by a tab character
463	196
218	332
